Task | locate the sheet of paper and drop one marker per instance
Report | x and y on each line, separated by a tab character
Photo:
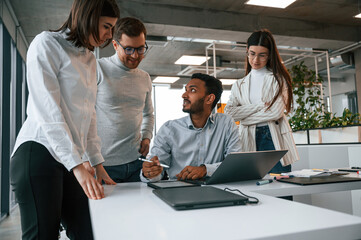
306	173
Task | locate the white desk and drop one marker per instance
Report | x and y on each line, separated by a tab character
279	189
132	211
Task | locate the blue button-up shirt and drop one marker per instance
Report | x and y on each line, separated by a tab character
179	144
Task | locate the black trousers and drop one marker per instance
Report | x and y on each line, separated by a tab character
48	194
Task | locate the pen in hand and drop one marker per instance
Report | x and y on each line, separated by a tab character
147	160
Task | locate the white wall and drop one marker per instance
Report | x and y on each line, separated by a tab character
331	156
338	90
339	87
225	96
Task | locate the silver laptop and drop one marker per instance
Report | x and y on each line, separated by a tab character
243	166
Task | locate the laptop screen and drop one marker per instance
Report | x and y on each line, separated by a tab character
244	166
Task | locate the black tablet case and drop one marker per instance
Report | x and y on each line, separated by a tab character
198	197
319	180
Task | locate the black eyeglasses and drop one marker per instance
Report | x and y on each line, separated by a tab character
130	50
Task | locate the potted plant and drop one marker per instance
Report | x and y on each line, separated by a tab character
345	128
306	87
309	117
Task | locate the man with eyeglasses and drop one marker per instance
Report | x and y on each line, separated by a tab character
124	103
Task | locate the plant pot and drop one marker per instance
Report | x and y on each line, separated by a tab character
350	134
300	137
315	136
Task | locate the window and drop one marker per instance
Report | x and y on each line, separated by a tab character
5	118
13	95
168	104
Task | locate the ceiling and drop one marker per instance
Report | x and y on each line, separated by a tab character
312	24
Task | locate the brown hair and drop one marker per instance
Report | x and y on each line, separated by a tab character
131	27
265	39
84	18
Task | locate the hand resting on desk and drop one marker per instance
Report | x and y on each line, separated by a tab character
152	169
191	172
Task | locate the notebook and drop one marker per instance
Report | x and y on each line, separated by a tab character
188	198
319	180
243	166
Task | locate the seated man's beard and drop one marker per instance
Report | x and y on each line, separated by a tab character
196	107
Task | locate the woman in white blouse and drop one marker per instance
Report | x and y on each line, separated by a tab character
50	181
261	99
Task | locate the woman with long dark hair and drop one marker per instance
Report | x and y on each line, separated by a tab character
261	99
50	182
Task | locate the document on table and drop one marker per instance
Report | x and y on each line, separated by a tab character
307	173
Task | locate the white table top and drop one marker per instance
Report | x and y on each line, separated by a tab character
278	189
132	211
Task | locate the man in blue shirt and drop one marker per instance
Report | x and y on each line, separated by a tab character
194	146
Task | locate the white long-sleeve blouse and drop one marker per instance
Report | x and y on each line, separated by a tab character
62	91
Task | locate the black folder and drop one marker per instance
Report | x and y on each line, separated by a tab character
319	180
186	198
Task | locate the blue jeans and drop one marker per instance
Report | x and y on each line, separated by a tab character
128	172
264	142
